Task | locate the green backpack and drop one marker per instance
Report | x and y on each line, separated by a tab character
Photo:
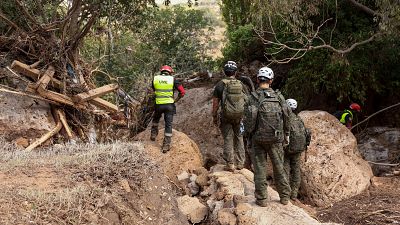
269	122
233	100
298	134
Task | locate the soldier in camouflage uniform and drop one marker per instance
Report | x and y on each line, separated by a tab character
299	140
229	120
254	127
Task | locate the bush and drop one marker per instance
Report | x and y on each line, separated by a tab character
243	45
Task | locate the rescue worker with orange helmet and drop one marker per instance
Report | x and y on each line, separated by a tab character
164	86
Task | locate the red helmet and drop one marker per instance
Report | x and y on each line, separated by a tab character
166	68
356	107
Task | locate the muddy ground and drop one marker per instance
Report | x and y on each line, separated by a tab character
379	205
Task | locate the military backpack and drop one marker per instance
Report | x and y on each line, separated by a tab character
298	134
268	128
233	100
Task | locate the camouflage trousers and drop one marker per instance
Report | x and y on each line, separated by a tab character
233	143
259	159
292	169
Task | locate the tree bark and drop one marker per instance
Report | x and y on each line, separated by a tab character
364	8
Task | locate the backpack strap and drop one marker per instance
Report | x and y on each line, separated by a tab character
286	111
225	81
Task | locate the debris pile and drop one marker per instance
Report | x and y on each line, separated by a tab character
47	67
76	103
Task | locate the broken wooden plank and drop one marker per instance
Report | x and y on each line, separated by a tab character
28	95
25	69
45	79
94	93
45	137
99	102
34	65
60	98
31	88
33	73
64	122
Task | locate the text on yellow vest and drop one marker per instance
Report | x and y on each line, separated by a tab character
164	89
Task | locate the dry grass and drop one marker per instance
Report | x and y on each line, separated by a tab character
89	175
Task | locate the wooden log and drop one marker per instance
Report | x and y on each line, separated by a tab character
94	93
34	65
28	95
99	102
64	122
60	98
81	133
25	69
45	137
45	79
31	88
33	73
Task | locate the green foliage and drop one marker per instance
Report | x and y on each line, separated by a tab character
173	35
369	70
243	44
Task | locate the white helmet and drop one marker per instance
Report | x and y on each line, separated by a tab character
292	103
230	66
265	72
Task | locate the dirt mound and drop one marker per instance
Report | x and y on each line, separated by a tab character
379	205
24	117
183	156
85	184
194	119
334	169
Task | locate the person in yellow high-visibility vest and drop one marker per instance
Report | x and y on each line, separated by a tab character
346	116
164	86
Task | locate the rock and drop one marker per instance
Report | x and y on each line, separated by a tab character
226	217
22	142
183	176
249	213
200	170
210	190
237	199
192	208
215	207
228	182
194	188
193	178
334	170
125	185
21	116
183	156
380	144
242	209
202	180
217	168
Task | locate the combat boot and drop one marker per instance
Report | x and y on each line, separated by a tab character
262	202
230	167
166	144
284	201
154	133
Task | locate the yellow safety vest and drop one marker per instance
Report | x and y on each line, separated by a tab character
164	89
343	117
